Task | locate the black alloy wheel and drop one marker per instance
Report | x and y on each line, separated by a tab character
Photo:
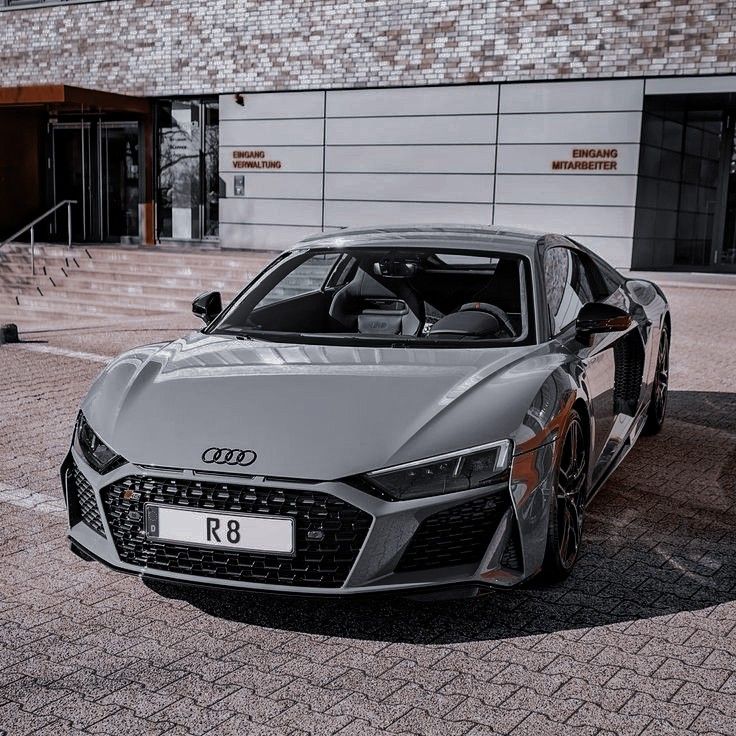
658	404
568	503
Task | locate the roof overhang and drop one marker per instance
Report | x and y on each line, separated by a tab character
64	97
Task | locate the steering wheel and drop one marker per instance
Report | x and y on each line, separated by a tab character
503	319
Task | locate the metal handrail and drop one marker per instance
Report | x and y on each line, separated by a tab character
31	225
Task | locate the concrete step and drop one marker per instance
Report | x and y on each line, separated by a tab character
91	285
138	256
217	259
153	289
84	313
84	303
149	255
50	319
173	267
175	276
57	257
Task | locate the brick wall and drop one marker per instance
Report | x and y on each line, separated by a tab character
161	47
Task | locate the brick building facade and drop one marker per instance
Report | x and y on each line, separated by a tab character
380	110
167	47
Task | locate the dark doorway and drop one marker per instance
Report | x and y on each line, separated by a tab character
96	163
71	179
119	148
686	197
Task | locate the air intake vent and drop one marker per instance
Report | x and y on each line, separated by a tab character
629	359
456	536
329	531
81	500
512	556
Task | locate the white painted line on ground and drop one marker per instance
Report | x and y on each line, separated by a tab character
25	498
54	350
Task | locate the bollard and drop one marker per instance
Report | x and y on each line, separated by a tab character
8	333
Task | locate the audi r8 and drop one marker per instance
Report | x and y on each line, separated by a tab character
388	409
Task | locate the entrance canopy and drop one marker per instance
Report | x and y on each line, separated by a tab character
63	96
95	148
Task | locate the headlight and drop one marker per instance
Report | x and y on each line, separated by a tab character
455	471
95	451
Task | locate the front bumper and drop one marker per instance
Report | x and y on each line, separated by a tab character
492	536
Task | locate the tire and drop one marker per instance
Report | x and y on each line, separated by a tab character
567	509
658	404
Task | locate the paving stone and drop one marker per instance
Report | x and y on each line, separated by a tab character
17	722
419	721
378	713
301	718
254	706
185	712
640	639
78	710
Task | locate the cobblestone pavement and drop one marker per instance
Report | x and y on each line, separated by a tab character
641	639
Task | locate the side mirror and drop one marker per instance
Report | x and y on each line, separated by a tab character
596	317
207	306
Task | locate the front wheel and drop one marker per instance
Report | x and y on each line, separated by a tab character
658	404
568	503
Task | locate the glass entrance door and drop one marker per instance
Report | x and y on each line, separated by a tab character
188	170
71	178
119	181
96	164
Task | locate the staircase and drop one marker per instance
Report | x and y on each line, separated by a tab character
86	286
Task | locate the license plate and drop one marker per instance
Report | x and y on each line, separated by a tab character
200	528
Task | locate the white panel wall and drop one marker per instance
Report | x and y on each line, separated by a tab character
455	159
544	122
410	155
476	154
477	100
281	205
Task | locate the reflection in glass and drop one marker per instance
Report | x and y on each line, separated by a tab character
188	169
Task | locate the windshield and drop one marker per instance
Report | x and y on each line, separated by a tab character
387	295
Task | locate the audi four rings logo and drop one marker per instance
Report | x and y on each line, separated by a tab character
226	456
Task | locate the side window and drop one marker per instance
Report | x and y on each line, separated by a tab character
604	279
305	278
567	285
607	279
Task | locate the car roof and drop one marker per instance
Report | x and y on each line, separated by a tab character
474	237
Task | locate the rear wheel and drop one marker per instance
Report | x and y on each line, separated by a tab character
658	404
568	503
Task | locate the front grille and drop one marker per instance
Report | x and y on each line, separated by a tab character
455	536
81	500
321	563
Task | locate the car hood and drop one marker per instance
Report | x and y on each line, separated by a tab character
309	411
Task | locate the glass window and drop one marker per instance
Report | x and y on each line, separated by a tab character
306	277
395	294
188	188
567	284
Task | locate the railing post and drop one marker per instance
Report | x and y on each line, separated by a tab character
69	222
33	253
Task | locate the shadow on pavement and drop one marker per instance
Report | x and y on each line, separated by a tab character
659	539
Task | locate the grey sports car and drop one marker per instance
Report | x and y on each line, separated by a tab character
383	409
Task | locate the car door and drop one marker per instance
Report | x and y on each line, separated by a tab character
570	283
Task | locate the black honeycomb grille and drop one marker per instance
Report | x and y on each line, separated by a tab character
323	562
455	536
629	361
82	502
512	556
